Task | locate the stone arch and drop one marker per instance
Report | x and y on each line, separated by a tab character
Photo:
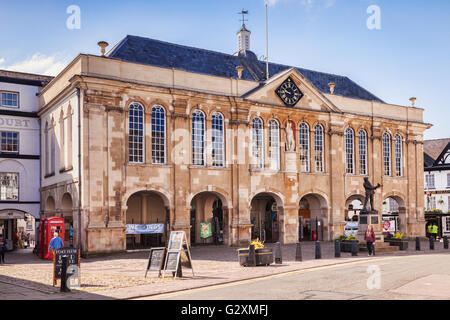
350	208
220	193
314	216
145	206
209	206
67	214
165	194
267	215
399	209
50	205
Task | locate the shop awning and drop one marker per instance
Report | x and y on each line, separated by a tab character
11	214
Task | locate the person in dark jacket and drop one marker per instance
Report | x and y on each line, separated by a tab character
369	236
2	249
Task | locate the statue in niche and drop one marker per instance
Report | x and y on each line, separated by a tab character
370	191
290	137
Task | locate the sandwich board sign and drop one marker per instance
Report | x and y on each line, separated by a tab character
156	260
73	264
177	245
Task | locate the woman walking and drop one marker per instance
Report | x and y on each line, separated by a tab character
2	249
369	236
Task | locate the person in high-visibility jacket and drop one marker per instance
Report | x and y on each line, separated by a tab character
430	230
434	231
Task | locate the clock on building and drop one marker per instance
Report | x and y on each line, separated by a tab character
289	93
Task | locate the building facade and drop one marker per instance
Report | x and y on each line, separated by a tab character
20	152
437	184
163	133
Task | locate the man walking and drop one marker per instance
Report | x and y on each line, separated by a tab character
55	243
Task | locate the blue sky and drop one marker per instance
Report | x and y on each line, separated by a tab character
409	55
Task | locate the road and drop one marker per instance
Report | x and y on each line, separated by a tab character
425	277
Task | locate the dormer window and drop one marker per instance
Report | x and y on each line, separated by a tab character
9	99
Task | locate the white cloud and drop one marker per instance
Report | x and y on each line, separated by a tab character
39	64
306	3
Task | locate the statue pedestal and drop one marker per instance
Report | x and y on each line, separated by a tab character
365	219
290	158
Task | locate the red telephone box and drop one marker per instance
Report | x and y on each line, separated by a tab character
47	228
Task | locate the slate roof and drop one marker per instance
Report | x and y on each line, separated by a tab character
168	55
433	150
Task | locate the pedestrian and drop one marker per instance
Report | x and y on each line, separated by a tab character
434	231
55	243
369	236
2	249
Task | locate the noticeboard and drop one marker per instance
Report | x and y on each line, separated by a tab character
177	245
73	259
156	260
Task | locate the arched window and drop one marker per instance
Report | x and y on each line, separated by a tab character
136	133
198	138
274	145
350	151
318	148
217	139
387	154
362	152
304	147
258	143
47	148
158	135
398	155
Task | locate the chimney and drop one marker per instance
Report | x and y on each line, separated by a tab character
239	70
103	45
413	101
332	85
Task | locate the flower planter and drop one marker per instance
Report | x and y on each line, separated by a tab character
263	257
346	245
402	244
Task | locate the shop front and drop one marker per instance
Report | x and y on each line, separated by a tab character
9	227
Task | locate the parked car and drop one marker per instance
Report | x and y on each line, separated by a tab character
351	228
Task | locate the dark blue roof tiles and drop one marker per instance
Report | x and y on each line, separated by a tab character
168	55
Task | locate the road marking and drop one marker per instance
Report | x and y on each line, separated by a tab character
241	282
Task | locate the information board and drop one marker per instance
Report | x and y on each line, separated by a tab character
177	244
73	259
156	260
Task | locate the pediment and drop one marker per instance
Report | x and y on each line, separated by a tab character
311	97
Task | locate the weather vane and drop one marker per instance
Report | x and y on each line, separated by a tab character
243	12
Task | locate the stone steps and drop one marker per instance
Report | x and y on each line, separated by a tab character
380	247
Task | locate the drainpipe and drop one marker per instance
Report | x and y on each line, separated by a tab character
79	169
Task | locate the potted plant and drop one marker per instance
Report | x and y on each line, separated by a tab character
346	243
263	256
399	240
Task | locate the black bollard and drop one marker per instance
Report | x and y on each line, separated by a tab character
431	243
417	244
354	247
64	266
251	262
278	258
318	253
298	252
445	242
337	248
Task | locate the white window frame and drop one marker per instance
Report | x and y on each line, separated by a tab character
399	155
319	146
218	140
349	151
156	146
9	106
387	146
134	146
303	138
430	181
198	136
362	152
258	143
17	138
274	144
4	190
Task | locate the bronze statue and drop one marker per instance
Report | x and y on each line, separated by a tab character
370	191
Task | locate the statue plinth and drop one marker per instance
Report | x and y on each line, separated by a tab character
291	161
367	218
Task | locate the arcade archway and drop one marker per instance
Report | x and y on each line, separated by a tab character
313	218
146	208
394	215
265	211
67	214
209	210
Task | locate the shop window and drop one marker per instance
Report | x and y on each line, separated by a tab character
9	186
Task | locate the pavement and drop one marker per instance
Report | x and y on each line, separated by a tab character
121	276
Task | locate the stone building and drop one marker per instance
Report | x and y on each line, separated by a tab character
154	132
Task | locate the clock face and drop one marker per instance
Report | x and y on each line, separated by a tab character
289	93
